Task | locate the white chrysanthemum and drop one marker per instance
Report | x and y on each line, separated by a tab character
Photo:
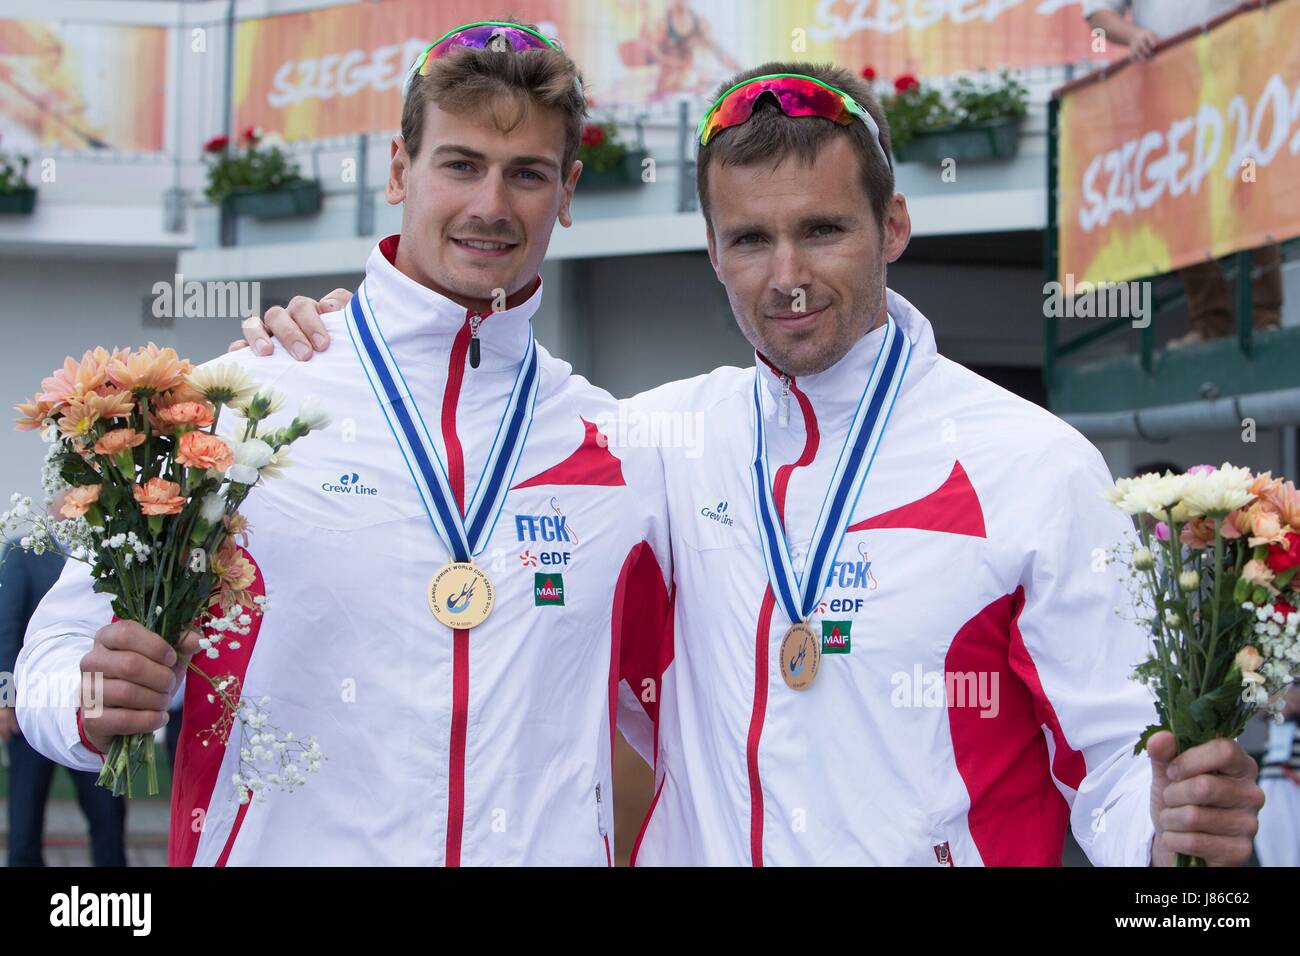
313	414
278	463
1118	491
264	403
250	457
1218	492
224	383
1153	494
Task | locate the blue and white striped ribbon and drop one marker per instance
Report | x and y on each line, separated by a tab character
799	594
464	536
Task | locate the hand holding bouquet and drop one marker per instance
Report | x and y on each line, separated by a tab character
1214	580
149	498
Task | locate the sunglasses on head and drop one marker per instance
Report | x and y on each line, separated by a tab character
497	35
796	94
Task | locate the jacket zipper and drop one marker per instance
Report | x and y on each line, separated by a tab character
466	342
475	320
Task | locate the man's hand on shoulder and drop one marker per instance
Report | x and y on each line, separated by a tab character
297	326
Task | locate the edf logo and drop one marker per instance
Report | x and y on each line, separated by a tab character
541	528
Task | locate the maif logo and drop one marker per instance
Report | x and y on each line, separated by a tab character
548	589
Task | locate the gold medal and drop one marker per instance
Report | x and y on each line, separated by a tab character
800	655
460	595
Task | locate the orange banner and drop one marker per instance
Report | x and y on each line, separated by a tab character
339	70
1194	154
79	85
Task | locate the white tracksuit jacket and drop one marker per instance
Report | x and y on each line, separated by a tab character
484	747
970	562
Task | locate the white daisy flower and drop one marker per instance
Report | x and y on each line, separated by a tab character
223	383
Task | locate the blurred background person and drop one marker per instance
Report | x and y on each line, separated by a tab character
1278	840
24	579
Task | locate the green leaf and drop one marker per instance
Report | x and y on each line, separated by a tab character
1146	735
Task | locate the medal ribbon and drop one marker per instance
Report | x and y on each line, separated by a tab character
798	595
464	536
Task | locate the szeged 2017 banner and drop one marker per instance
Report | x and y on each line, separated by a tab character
81	85
340	70
1193	154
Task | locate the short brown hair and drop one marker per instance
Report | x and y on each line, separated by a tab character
770	136
468	78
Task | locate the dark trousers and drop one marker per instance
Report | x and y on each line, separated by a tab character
30	774
1210	301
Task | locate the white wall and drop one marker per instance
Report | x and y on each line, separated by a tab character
51	308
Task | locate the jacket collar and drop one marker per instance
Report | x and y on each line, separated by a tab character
410	312
835	392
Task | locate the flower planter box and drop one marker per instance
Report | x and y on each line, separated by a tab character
299	199
20	202
626	173
977	142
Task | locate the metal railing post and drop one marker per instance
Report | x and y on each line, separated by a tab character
1245	303
1051	249
365	210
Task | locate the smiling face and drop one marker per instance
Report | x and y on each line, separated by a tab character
480	199
801	254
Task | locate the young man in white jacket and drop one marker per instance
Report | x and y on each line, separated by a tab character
896	644
449	738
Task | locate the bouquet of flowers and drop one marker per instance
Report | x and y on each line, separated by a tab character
148	495
1213	577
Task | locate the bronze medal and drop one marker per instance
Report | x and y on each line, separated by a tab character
801	654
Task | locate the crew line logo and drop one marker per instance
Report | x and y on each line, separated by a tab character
718	514
350	484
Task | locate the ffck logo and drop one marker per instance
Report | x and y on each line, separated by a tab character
542	528
546	529
103	909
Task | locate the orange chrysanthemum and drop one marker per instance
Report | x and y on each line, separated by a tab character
237	527
1286	500
235	575
78	379
33	413
149	370
82	413
119	439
